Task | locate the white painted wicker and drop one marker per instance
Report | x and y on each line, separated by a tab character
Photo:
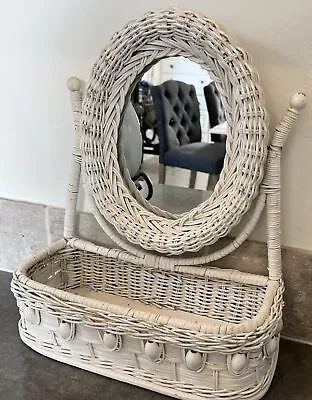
186	335
131	51
170	324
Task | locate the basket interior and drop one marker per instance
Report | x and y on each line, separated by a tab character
108	279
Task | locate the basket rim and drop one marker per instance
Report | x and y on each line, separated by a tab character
212	326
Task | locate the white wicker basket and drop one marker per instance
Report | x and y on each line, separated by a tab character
161	321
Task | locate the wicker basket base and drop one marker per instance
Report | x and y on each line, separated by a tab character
119	323
148	380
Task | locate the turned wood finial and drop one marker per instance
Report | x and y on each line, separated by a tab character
73	84
298	101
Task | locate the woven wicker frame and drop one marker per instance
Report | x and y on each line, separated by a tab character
131	51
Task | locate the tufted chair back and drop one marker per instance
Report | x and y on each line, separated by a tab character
177	115
214	105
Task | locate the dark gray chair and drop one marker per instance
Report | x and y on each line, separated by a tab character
215	110
178	127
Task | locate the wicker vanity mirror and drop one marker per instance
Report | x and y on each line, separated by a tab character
130	53
152	311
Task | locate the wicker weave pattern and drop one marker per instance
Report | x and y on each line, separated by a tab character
173	376
223	336
137	46
44	309
220	299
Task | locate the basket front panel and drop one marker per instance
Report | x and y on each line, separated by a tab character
144	348
131	363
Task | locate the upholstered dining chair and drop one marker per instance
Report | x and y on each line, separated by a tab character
215	111
178	127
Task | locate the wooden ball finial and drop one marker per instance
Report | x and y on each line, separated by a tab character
298	101
73	84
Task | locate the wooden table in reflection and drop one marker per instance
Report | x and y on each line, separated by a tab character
219	132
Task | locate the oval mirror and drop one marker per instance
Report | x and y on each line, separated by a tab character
183	129
121	65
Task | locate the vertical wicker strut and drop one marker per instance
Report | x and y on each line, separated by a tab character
74	85
272	186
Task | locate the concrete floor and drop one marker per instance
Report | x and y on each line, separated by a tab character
26	375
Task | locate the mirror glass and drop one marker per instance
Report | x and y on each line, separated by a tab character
178	112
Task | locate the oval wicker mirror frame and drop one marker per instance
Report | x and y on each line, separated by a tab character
131	51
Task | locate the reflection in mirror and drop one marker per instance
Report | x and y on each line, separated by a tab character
183	132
